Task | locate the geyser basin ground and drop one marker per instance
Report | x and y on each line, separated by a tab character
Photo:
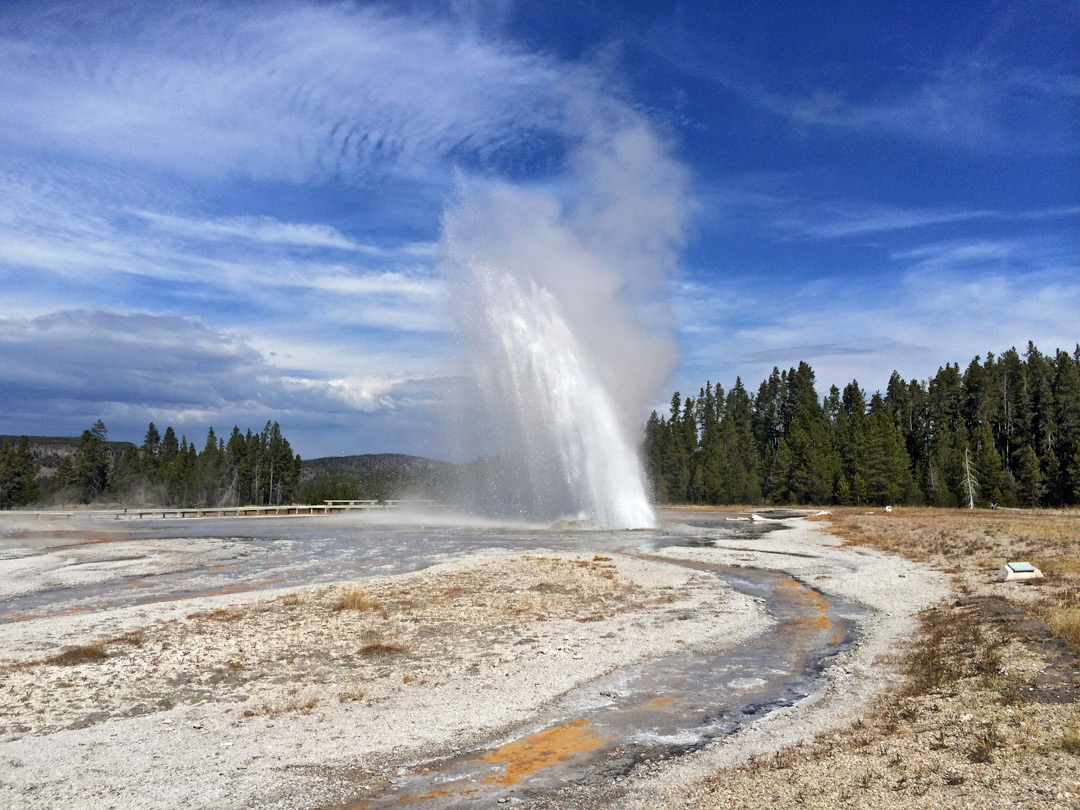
272	697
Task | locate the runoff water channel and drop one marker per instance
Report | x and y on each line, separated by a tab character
596	732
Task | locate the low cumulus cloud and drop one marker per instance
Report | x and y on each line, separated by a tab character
65	369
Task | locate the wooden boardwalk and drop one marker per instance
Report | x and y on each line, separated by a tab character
330	507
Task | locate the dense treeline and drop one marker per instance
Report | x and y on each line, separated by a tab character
18	474
251	468
1004	431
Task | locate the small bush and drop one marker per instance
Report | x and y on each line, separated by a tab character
295	705
982	750
1071	741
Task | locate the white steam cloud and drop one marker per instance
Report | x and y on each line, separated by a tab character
556	291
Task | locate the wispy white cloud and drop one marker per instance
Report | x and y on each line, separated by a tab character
117	125
971	103
285	91
263	230
990	96
784	206
951	302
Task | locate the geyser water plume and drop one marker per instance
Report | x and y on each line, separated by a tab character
552	292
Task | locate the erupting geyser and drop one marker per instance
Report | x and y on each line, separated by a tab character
553	303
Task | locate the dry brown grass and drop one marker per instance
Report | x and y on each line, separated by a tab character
1063	565
951	645
1070	740
355	599
959	537
83	653
380	648
218	615
974	543
1063	618
353	694
297	705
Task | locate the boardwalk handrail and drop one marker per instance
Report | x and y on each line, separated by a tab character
331	506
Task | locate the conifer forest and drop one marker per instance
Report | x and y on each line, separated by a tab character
1005	431
248	468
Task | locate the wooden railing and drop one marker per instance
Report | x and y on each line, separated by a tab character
329	507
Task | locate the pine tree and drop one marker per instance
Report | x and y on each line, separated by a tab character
18	474
128	474
209	472
806	466
767	425
1066	416
651	455
989	471
169	446
92	463
884	465
739	407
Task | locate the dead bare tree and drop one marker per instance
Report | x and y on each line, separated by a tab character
971	484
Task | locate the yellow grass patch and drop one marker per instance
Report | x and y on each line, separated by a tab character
355	599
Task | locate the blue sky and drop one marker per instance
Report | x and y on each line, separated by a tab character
223	213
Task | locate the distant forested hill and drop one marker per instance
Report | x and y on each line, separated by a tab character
50	450
371	462
379	476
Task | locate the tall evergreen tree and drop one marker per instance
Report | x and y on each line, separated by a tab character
18	473
92	463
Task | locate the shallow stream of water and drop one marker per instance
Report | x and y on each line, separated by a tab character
657	710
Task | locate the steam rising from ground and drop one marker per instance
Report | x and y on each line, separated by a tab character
555	292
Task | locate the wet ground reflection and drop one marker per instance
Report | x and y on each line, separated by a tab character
92	570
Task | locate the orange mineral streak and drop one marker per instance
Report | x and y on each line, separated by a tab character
51	615
817	608
543	749
434	793
659	703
